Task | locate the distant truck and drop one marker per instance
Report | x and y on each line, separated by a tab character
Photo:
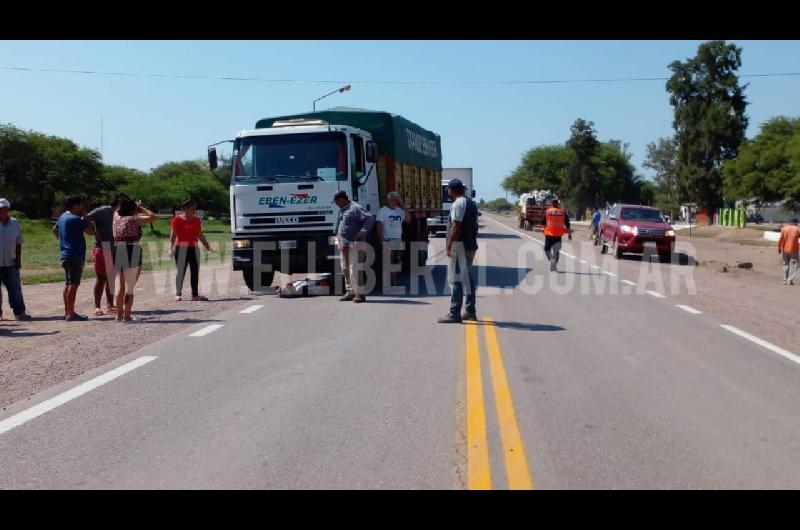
438	223
285	171
532	208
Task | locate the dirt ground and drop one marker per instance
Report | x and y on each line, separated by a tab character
46	351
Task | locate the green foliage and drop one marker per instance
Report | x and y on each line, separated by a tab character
768	166
709	117
498	205
37	171
662	157
541	168
584	171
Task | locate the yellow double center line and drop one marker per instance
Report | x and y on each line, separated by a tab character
478	467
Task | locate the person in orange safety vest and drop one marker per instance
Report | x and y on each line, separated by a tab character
556	224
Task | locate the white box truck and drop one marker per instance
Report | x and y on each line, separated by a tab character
438	223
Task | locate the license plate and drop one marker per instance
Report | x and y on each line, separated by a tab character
287	220
286	245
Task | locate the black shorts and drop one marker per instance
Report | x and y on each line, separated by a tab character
549	241
127	256
73	269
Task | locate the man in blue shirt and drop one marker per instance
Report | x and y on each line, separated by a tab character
596	222
70	229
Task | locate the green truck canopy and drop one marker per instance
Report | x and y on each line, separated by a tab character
404	140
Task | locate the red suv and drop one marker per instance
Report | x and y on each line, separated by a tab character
630	228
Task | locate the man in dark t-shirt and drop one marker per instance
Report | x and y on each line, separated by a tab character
462	243
103	219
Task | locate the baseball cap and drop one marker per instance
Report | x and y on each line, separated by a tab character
341	194
5	203
455	183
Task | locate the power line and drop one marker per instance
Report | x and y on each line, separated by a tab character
363	82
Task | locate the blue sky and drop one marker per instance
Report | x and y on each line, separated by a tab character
151	120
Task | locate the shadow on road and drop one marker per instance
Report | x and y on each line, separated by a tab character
179	321
522	326
488	276
498	236
20	332
680	258
396	301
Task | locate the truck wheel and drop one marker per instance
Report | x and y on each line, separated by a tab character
521	222
263	285
665	257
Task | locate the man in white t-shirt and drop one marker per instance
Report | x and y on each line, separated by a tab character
389	225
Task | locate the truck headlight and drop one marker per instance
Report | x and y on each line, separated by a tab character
628	229
670	233
241	243
333	240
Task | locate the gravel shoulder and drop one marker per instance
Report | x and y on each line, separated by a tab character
47	351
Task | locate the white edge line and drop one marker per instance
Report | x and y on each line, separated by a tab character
202	332
516	231
689	309
609	273
762	342
656	294
251	309
628	282
56	401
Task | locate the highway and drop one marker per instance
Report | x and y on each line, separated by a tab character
580	379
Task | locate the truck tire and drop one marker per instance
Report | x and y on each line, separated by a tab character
263	285
521	222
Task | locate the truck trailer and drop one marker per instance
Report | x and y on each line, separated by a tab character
285	171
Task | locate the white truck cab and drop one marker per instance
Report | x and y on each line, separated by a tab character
283	179
439	223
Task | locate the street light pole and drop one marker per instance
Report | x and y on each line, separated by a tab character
341	89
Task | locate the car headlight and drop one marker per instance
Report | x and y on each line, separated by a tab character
333	240
628	229
241	243
670	233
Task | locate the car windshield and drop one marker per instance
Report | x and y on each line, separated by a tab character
642	214
290	158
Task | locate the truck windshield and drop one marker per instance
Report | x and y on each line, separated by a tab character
291	157
641	214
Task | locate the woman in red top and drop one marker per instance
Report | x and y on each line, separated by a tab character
186	230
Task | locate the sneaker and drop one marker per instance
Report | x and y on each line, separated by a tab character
178	298
469	316
348	297
76	318
24	316
359	299
449	319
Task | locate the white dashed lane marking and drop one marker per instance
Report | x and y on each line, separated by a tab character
202	332
251	309
689	309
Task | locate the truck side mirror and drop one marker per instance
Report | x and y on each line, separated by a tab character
372	152
212	158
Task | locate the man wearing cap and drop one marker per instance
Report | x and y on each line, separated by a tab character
11	261
462	243
789	247
354	226
389	228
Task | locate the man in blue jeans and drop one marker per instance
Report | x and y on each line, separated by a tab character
11	261
462	243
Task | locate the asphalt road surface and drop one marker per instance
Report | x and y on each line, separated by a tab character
571	379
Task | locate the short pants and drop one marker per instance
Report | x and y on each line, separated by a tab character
103	261
73	269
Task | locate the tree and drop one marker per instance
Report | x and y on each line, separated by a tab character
583	182
662	157
541	168
709	118
763	170
499	205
